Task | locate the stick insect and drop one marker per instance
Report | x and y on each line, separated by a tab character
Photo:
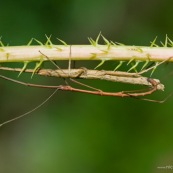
83	73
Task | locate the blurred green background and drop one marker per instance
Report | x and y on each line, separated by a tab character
79	133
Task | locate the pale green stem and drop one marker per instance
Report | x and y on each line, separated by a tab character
84	52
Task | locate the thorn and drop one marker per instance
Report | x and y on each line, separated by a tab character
154	68
59	49
112	43
94	43
1	43
29	43
39	42
38	64
63	42
170	42
100	64
130	61
104	51
23	68
139	50
105	40
119	65
108	43
134	66
119	44
153	43
48	42
166	41
97	39
145	64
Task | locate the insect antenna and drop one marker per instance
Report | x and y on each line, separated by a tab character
32	110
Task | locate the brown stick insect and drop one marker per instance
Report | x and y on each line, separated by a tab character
83	73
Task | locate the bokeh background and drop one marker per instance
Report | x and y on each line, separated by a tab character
75	132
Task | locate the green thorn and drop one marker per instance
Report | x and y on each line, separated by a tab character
59	49
48	42
130	61
38	64
119	44
105	40
23	68
134	66
100	64
112	43
166	42
39	42
108	43
154	68
153	43
97	39
170	42
145	64
63	42
94	43
139	49
104	51
1	44
29	43
119	65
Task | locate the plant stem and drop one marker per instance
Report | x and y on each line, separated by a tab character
84	52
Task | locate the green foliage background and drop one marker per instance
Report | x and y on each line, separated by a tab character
79	133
